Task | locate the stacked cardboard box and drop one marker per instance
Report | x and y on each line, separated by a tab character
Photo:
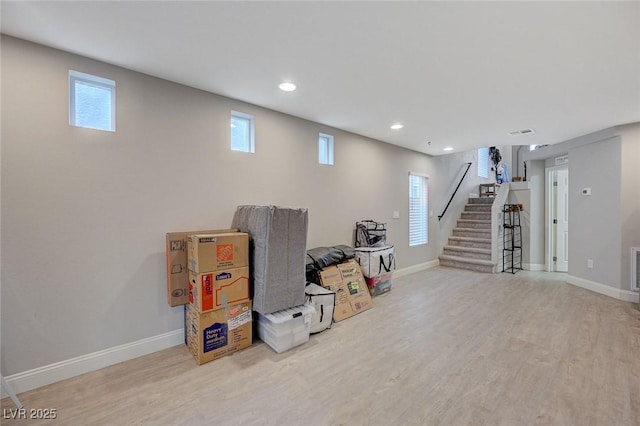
176	264
219	315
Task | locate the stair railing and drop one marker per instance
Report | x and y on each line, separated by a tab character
468	166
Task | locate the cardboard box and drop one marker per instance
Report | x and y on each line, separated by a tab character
213	290
218	333
352	293
212	252
176	265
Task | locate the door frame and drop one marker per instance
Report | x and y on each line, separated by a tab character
548	211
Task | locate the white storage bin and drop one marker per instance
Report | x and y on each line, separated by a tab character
286	329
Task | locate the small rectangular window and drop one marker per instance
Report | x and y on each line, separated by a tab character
92	101
483	162
325	149
418	209
242	132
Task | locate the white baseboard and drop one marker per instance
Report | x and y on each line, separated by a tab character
536	267
626	295
415	268
42	376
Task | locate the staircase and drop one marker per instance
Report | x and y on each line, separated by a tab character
469	245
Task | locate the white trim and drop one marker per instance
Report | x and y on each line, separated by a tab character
42	376
616	293
92	80
252	131
549	205
634	268
415	268
536	267
419	174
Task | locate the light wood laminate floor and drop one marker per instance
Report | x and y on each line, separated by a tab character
445	347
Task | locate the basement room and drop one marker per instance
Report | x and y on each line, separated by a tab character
319	213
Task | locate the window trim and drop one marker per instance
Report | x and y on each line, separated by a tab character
330	148
425	239
486	163
252	131
96	81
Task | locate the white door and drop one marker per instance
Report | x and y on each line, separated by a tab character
561	220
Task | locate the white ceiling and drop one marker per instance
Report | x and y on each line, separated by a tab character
456	74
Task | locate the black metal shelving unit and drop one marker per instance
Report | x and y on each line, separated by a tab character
511	238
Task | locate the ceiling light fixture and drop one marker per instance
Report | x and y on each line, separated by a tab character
397	126
448	149
287	87
522	132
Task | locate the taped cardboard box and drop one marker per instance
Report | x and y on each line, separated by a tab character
212	252
177	267
352	293
279	240
213	290
218	333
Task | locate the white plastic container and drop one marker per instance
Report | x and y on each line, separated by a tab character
286	329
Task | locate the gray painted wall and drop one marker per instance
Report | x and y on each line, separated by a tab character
594	221
605	225
84	212
630	198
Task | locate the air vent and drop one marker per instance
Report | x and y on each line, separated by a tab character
522	132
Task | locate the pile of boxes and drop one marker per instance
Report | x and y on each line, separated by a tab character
208	271
219	316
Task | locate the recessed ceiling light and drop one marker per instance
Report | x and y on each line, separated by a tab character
287	87
397	126
448	149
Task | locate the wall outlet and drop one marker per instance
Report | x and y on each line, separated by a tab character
396	214
590	263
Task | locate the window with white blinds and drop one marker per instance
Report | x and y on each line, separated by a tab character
418	209
483	162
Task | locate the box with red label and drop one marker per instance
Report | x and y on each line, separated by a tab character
176	264
212	290
211	252
212	335
352	294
